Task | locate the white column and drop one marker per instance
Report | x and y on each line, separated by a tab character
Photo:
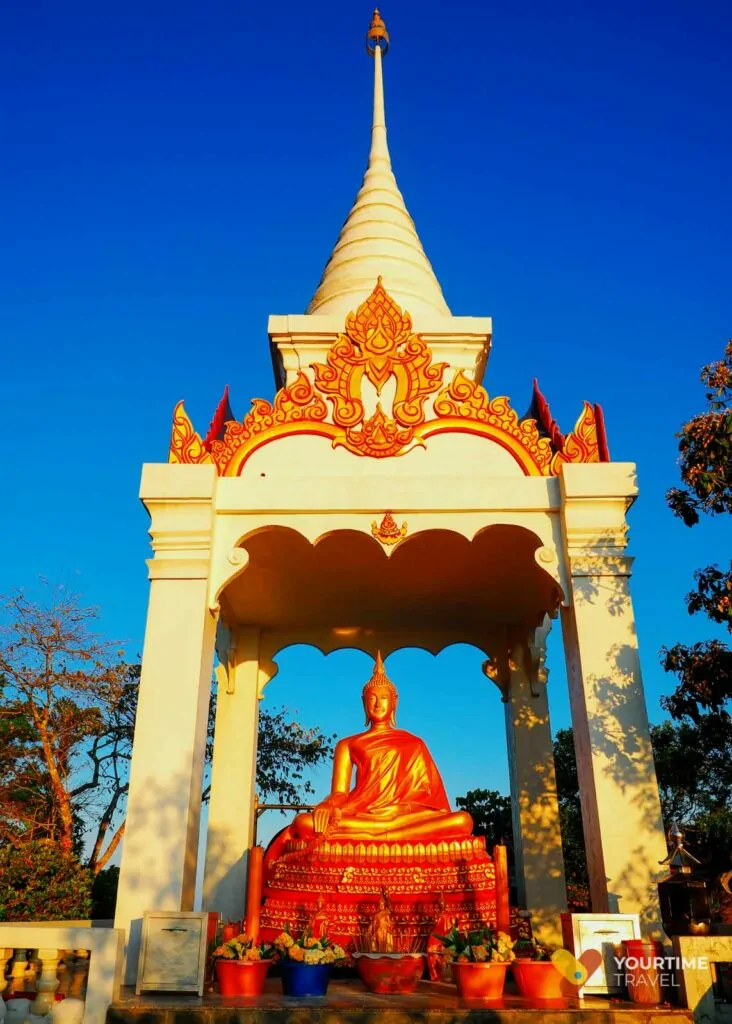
233	777
160	849
621	810
6	953
47	982
537	838
18	971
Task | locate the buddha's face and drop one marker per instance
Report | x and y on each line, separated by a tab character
379	704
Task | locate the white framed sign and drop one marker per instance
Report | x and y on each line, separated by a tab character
173	951
605	933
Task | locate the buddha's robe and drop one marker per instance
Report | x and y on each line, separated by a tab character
393	769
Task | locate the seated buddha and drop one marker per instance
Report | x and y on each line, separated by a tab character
398	795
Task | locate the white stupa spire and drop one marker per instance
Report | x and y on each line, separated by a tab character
379	238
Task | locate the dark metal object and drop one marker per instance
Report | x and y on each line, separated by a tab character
261	808
684	897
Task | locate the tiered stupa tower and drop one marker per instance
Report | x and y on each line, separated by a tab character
379	238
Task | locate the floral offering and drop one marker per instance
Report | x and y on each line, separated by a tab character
532	949
244	949
307	949
481	946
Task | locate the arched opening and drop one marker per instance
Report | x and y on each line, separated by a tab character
458	621
444	698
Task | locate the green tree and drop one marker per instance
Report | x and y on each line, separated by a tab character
68	703
26	800
694	771
60	682
286	751
700	746
570	821
41	882
704	669
491	814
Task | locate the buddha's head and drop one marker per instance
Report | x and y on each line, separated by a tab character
380	696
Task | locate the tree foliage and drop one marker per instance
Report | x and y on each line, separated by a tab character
68	702
704	669
705	444
40	882
491	814
694	771
286	751
61	681
570	821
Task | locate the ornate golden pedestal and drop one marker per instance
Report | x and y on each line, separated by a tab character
351	877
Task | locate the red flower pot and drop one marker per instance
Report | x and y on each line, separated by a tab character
390	972
538	979
241	977
479	980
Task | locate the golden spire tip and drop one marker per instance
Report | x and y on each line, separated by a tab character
377	37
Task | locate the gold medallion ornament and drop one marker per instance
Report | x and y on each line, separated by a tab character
381	363
387	531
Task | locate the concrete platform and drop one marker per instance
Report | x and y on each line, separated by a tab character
347	1002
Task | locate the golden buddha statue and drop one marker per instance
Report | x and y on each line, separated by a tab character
398	795
379	936
389	827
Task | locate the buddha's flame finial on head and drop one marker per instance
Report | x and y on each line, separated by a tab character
379	678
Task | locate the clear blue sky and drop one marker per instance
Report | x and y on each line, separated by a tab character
173	173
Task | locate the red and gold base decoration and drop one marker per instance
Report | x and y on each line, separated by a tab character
379	347
339	885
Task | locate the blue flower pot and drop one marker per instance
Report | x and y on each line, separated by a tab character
305	979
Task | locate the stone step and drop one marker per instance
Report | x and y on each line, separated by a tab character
348	1003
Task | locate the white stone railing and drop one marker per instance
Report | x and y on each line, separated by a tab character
79	962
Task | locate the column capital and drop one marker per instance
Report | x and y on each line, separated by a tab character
179	499
516	658
595	500
599	480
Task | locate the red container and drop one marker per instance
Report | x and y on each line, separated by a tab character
241	977
479	981
390	972
538	979
642	976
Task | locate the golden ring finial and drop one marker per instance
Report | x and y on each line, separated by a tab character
377	35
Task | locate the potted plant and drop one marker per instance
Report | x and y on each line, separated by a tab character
241	966
307	962
535	973
479	961
387	961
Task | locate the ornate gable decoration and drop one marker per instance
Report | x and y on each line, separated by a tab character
380	359
378	345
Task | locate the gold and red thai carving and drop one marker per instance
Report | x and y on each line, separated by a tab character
379	345
387	530
378	349
352	876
